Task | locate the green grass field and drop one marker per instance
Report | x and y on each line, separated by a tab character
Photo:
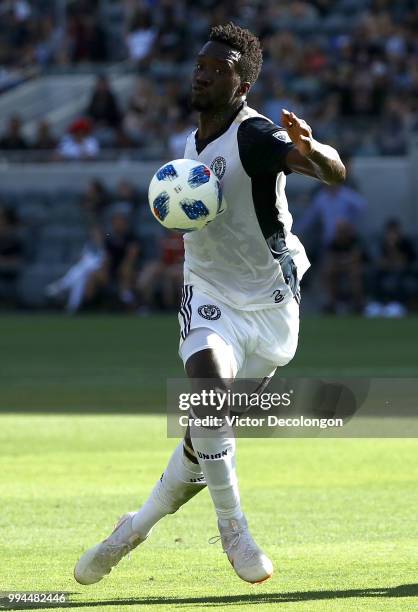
337	516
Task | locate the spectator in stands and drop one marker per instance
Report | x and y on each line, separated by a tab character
73	283
163	277
359	54
11	254
326	119
95	200
392	139
126	198
396	276
13	139
276	98
170	39
21	10
342	61
143	106
78	144
331	204
16	25
118	272
49	47
298	15
141	36
343	271
103	110
86	38
95	39
177	139
44	139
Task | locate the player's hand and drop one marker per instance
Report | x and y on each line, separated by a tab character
299	131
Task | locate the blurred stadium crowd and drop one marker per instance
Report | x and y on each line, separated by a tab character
349	67
108	253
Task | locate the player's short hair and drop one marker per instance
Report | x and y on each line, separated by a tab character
246	43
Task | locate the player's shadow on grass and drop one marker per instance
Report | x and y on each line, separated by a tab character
403	590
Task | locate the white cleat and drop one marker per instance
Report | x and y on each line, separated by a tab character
247	559
99	560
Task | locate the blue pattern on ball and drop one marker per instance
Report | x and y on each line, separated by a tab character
167	173
199	175
160	205
194	209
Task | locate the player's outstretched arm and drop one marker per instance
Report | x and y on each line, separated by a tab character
309	156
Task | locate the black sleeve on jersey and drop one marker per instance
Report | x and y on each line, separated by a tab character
260	150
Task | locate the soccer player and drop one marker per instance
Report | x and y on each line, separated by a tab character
239	315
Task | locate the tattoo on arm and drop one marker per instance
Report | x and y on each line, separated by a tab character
327	163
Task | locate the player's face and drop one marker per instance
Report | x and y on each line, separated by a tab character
216	83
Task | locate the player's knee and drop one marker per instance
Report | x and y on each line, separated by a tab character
211	399
208	386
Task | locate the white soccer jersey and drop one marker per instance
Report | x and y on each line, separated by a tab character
248	257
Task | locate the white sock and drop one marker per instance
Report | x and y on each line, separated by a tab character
181	480
215	451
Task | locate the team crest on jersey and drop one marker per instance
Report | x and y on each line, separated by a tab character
218	167
209	312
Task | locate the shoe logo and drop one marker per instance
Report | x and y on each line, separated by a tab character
213	457
209	312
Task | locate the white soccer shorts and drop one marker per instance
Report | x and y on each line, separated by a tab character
255	343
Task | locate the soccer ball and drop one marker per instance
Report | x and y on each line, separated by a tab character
185	195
